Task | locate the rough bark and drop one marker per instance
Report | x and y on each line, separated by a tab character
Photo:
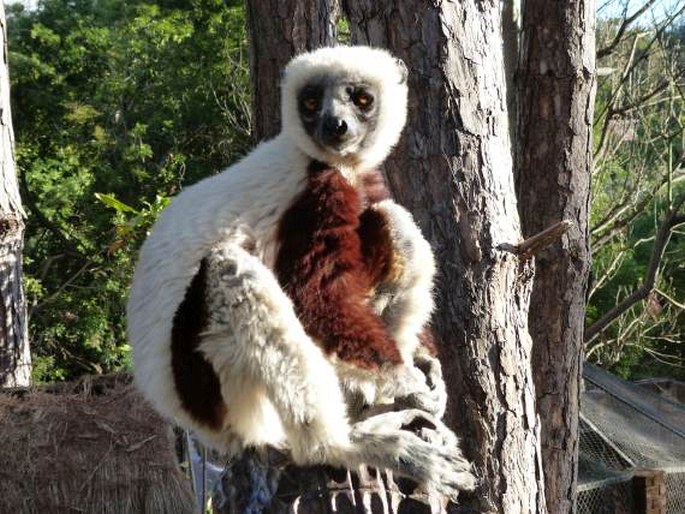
453	170
554	162
278	30
15	359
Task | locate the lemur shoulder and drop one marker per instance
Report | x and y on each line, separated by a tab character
268	295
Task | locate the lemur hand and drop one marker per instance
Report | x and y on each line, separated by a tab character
421	387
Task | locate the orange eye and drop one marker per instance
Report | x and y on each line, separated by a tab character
311	104
363	100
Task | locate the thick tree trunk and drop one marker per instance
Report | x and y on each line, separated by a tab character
278	30
453	170
15	359
554	154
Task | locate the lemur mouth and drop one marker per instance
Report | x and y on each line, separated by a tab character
340	148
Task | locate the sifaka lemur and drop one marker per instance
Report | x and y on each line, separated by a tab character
269	296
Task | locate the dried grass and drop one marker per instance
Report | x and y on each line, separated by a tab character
92	447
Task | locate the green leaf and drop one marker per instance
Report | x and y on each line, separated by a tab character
112	202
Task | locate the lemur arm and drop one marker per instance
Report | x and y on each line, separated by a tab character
399	261
404	296
268	344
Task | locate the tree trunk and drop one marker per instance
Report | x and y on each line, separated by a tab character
454	171
15	359
554	163
278	30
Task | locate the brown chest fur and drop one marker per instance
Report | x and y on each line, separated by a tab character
333	252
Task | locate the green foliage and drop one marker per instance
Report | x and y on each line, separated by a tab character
647	340
117	104
639	171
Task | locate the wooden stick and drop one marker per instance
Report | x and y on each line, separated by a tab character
529	247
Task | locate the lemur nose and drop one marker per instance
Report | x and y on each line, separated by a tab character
335	126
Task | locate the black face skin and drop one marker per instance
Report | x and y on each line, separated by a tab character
339	115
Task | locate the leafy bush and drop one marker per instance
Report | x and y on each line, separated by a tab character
117	104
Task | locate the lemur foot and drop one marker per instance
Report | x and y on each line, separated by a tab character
416	445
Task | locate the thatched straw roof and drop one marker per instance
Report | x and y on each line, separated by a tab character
91	447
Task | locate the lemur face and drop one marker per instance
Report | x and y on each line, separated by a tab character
338	113
344	106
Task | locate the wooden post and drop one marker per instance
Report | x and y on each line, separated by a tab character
649	488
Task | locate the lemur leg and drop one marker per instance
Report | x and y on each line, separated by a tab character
404	300
254	338
254	333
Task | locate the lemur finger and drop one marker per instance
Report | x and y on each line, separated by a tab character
431	369
432	402
442	469
416	393
416	459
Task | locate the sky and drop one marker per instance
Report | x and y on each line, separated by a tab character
660	9
28	3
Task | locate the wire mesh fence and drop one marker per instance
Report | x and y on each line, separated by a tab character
612	498
675	493
632	446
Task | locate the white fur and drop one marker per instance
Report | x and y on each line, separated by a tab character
278	386
406	303
243	202
258	346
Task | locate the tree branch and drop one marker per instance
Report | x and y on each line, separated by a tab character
608	273
617	219
43	220
60	289
672	220
632	63
529	247
671	300
640	101
627	21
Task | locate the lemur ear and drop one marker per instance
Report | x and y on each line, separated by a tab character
402	69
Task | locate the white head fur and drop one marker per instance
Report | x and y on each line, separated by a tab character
358	63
